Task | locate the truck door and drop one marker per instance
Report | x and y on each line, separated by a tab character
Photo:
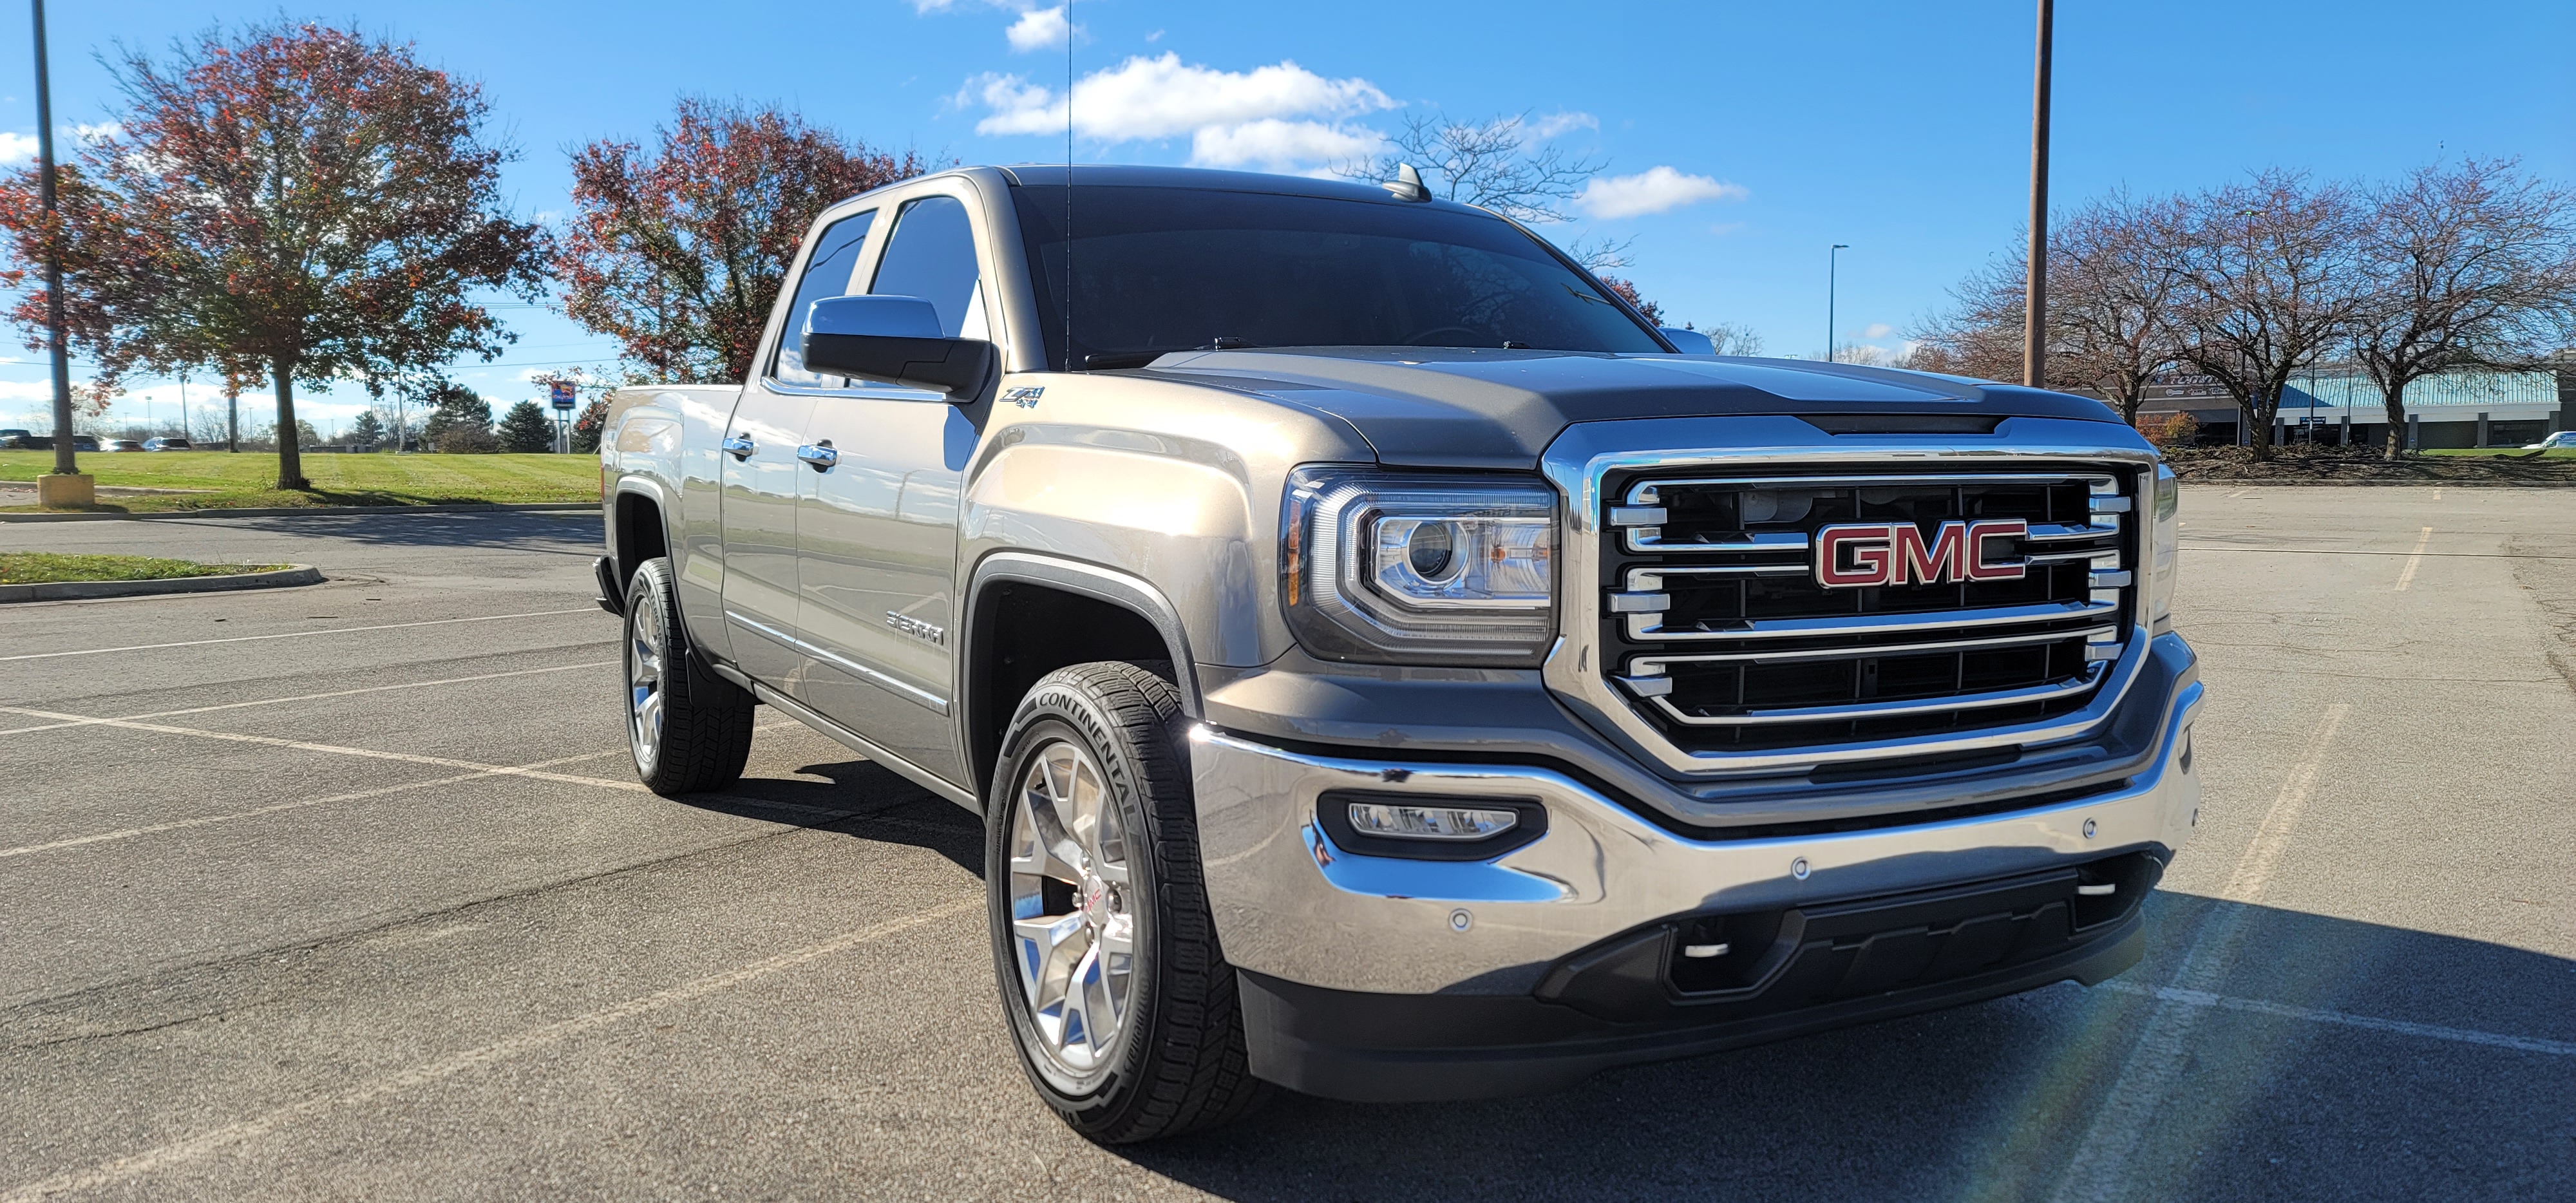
763	477
877	527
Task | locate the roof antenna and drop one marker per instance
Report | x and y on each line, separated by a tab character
1068	185
1407	184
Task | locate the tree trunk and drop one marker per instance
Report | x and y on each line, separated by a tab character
2258	432
290	461
2393	396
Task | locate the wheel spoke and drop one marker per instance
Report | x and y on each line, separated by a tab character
1084	1017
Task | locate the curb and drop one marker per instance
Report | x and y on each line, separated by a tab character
292	574
539	507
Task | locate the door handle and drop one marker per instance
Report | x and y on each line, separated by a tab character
820	455
739	446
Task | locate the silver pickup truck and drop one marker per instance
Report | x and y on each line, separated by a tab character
1387	667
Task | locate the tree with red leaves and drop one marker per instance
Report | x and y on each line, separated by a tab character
680	255
299	203
1625	291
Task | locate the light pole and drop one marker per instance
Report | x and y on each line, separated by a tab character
2034	312
1833	267
66	486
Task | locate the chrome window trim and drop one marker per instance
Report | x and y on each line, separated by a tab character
1582	459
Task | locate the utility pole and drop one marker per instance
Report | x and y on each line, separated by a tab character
65	486
2034	316
1833	266
232	417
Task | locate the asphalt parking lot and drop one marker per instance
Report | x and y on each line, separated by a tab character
347	892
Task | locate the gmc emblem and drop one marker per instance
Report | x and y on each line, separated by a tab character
1860	554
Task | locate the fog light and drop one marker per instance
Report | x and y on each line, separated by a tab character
1429	822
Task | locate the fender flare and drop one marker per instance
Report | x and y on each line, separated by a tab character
1121	589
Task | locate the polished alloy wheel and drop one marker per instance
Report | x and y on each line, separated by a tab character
644	668
1073	935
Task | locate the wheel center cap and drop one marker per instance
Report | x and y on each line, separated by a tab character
1095	900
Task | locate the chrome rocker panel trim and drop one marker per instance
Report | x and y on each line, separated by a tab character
1290	904
1580	461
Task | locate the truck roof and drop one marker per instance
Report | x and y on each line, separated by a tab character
1104	175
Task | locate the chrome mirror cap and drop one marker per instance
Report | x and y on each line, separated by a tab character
886	317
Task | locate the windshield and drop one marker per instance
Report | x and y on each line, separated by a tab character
1176	269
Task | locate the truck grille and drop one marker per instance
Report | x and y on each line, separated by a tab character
1951	601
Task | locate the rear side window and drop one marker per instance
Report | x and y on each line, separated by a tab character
932	256
830	273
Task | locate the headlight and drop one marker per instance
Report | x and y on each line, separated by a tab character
1419	569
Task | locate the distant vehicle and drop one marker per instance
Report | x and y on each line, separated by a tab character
114	445
2564	440
82	442
168	445
7	435
25	442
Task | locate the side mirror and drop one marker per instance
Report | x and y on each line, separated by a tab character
1691	342
895	339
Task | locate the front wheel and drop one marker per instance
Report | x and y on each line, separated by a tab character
690	730
1121	1005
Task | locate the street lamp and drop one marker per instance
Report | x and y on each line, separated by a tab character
66	486
1832	265
2034	308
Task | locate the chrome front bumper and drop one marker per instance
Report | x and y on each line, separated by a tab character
1290	904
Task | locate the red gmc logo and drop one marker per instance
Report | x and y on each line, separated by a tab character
1859	554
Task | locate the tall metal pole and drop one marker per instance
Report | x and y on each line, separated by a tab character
2034	321
1832	268
64	463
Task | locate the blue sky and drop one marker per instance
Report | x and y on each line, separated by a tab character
1766	132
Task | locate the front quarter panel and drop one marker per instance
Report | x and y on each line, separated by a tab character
1174	483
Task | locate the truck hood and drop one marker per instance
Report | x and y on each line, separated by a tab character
1465	407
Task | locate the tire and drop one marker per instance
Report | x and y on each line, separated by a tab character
1093	758
689	729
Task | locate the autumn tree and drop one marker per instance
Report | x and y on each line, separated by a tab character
2267	285
297	203
2471	265
678	254
1625	291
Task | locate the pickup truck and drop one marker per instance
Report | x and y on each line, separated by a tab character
1385	665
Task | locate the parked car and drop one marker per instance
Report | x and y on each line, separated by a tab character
120	445
84	442
9	437
167	445
2565	439
1384	663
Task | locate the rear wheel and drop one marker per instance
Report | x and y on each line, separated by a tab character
1121	1005
690	730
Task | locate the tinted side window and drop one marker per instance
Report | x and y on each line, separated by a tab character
828	274
932	256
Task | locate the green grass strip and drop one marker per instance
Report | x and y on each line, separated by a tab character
45	567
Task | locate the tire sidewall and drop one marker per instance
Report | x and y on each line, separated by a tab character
1062	710
650	587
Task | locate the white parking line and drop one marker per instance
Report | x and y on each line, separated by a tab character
390	626
305	697
528	1041
333	749
2100	1169
2415	558
2203	998
128	833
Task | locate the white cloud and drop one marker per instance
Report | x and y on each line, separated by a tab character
17	148
1882	329
101	132
1558	123
1655	190
1038	29
1145	99
1281	145
1153	37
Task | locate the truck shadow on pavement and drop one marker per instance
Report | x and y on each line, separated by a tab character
2298	1056
2274	1083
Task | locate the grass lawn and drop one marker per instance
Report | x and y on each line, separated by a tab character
233	481
45	567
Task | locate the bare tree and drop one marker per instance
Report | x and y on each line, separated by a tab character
2470	265
1734	338
2267	286
2112	281
1499	163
